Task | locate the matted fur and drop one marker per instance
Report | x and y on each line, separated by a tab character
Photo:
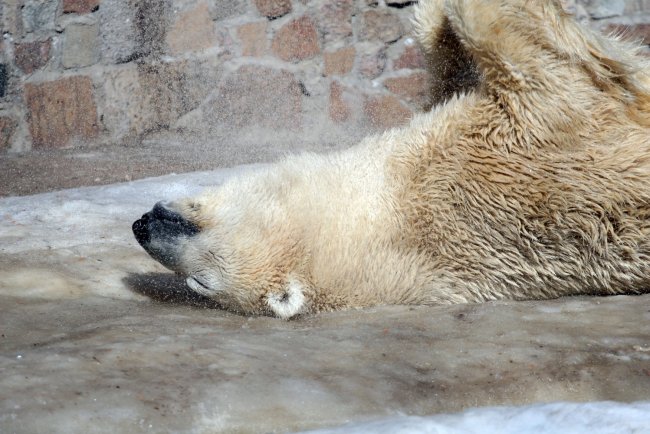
528	179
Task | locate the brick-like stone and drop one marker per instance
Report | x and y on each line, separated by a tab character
61	111
253	39
600	9
296	40
39	16
80	45
382	25
7	130
192	31
221	10
372	62
124	109
634	32
225	43
339	110
258	96
383	112
411	58
80	6
335	19
11	18
172	89
273	8
637	6
119	32
414	88
30	56
150	96
339	62
131	29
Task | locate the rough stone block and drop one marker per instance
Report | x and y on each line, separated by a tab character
600	9
11	18
39	16
382	25
372	62
154	95
258	96
7	129
60	111
80	6
164	84
119	31
296	40
637	6
130	29
339	62
80	47
383	112
30	56
273	8
125	110
171	90
339	110
413	88
410	58
225	42
220	10
253	39
193	30
335	20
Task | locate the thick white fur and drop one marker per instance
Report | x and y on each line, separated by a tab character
529	179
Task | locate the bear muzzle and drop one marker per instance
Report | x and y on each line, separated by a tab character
160	232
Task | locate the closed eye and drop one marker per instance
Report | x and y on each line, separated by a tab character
198	281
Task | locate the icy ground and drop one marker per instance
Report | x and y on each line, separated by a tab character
561	417
98	338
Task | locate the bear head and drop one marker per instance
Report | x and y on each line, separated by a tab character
240	251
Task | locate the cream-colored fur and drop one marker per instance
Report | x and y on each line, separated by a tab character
529	178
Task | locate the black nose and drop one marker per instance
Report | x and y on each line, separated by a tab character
141	229
162	221
159	232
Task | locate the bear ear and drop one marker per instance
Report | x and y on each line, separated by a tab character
289	302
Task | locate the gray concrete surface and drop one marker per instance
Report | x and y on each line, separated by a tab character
161	154
97	337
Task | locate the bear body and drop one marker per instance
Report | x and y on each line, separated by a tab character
528	179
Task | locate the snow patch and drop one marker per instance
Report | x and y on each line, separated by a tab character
556	418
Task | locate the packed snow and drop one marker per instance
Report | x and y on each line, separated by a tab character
555	418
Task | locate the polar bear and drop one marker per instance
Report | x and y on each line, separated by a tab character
529	179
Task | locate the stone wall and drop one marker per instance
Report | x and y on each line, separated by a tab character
109	72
